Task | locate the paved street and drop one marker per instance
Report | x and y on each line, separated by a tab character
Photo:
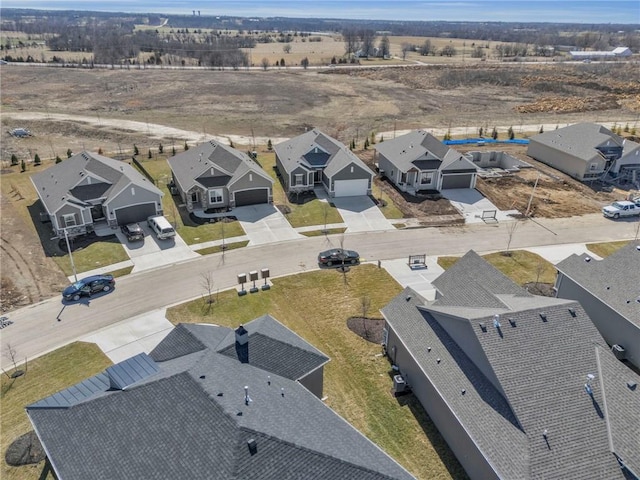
37	330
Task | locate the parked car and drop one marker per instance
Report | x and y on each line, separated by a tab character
622	208
88	286
133	232
338	256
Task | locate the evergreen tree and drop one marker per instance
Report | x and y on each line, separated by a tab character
69	153
186	146
373	138
36	160
541	129
447	136
99	150
366	143
626	128
14	159
173	150
231	143
23	166
480	132
58	159
304	62
149	155
494	133
269	145
511	134
135	150
381	139
160	149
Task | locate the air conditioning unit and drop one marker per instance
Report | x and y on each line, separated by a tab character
618	351
399	384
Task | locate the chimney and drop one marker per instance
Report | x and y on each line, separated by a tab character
242	335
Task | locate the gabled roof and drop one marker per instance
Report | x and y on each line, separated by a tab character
194	418
193	167
522	362
580	140
66	182
419	149
614	280
315	149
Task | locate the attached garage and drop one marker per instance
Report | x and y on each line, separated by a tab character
251	197
457	181
350	188
135	213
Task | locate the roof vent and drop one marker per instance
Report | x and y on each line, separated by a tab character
247	398
253	446
572	311
632	385
408	297
543	316
496	321
512	322
483	327
587	259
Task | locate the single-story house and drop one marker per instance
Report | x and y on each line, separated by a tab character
618	52
87	188
587	151
208	402
315	159
519	386
609	291
213	175
418	161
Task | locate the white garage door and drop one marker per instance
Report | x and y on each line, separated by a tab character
350	188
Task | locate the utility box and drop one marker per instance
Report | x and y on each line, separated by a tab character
618	351
399	385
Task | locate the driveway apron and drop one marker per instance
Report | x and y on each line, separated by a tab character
264	224
360	214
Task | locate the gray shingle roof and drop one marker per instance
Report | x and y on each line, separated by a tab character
579	140
531	370
419	149
59	184
307	148
193	167
192	420
615	280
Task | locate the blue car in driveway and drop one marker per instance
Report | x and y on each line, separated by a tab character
89	286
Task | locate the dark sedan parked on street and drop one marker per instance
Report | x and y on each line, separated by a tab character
88	286
133	231
337	257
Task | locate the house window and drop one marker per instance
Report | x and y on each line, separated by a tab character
593	166
251	177
133	191
215	196
351	168
299	179
426	178
69	220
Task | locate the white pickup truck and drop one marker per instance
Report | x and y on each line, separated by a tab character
622	208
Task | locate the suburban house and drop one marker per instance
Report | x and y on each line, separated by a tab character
208	402
216	176
87	188
609	291
520	386
587	151
314	159
618	52
418	161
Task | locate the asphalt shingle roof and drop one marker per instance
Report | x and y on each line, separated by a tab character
193	167
419	149
192	420
523	362
307	148
614	280
579	140
60	183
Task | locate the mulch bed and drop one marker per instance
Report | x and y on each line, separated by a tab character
542	289
83	241
368	328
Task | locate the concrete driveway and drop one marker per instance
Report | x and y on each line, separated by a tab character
360	214
264	224
470	203
154	253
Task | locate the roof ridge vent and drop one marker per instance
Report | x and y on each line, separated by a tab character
543	316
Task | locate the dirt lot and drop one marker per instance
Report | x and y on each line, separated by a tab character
260	105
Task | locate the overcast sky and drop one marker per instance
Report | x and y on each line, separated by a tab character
565	11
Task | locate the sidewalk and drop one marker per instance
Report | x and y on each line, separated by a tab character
143	333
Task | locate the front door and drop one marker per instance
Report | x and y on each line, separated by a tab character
317	176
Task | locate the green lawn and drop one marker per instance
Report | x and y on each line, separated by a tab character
318	233
389	210
98	254
218	248
316	305
521	266
45	375
310	213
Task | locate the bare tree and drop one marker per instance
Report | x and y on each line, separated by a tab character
264	63
350	37
286	48
383	47
511	230
365	304
406	47
11	354
207	283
